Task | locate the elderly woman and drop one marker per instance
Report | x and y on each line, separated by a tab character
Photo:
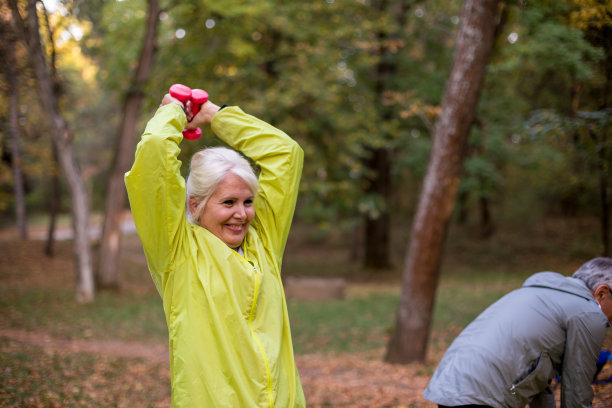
214	248
507	357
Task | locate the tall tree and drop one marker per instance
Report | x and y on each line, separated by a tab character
62	138
54	197
420	277
9	66
108	276
377	242
54	192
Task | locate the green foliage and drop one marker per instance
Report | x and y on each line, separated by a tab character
316	69
585	139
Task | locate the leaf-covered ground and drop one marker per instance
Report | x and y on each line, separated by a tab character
39	371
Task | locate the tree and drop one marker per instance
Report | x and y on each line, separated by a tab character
62	138
7	53
588	137
420	276
54	193
377	242
108	276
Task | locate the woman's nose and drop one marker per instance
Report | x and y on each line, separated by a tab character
240	212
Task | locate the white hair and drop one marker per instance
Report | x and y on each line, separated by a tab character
596	272
208	169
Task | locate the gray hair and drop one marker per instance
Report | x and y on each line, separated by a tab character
208	169
596	272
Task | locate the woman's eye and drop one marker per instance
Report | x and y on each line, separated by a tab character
228	202
248	202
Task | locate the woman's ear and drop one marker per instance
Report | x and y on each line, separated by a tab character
193	206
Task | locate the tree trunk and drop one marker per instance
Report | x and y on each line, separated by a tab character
462	202
377	238
420	277
54	204
486	224
108	276
13	79
62	140
377	228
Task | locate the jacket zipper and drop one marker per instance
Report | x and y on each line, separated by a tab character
257	282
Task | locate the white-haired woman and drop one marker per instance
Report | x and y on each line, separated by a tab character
216	261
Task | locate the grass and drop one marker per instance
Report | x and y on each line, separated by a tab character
112	316
474	274
354	324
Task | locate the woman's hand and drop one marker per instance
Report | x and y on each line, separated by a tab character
204	116
169	99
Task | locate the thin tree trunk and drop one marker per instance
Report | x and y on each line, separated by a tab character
54	204
62	140
377	231
420	277
486	224
462	201
377	228
13	80
108	276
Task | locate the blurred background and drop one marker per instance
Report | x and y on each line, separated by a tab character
360	85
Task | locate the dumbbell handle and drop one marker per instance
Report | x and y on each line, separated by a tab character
197	97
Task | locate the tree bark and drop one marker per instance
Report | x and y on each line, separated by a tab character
54	204
108	276
60	132
420	276
486	223
13	80
377	229
377	238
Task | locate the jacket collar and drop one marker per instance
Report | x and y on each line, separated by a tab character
556	281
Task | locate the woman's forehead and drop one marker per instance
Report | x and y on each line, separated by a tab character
233	185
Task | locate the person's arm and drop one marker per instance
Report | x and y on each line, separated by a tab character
584	338
280	160
156	189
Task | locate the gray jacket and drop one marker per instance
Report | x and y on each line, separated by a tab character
509	354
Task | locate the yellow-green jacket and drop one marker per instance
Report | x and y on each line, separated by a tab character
230	342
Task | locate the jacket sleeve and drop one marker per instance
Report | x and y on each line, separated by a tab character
584	338
280	160
156	189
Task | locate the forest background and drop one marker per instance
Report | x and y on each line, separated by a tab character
359	84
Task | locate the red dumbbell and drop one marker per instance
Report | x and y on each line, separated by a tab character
197	97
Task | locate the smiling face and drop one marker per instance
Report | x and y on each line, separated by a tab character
229	211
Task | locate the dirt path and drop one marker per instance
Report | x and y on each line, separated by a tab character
108	348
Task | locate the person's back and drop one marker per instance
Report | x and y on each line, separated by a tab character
509	354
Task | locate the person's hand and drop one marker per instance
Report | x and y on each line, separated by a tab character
169	99
204	116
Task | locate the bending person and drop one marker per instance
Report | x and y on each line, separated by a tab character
214	247
507	357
